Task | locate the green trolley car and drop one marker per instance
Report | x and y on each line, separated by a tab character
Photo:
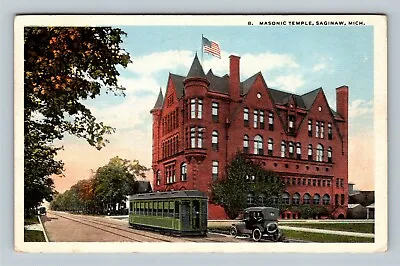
181	212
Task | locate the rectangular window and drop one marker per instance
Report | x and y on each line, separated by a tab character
293	181
322	130
291	125
246	117
214	141
314	182
192	108
310	128
319	182
329	131
341	199
298	181
192	137
215	107
324	183
271	121
255	118
317	129
328	183
200	137
304	181
337	182
341	182
199	108
309	182
214	170
262	119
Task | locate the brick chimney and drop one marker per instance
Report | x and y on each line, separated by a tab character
234	77
342	101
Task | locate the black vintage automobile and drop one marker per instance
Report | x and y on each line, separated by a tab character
258	222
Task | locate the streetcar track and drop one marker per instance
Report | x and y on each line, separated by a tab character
108	231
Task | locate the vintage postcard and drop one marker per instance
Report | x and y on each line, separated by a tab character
201	133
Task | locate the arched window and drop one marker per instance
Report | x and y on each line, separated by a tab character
158	178
246	144
291	149
306	198
283	149
329	154
310	152
270	147
298	150
320	153
296	199
285	198
214	140
258	145
317	199
326	199
183	172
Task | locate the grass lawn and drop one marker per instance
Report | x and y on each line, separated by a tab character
33	236
32	220
349	227
325	238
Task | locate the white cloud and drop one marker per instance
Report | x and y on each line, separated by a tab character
318	67
288	83
360	107
167	60
250	64
143	83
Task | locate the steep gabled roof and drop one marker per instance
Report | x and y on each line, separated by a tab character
309	97
218	84
178	84
160	101
196	70
246	85
281	97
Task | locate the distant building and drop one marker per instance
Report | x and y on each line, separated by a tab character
361	203
204	119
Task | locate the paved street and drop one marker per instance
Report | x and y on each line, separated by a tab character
64	227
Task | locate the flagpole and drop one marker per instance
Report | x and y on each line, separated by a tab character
201	49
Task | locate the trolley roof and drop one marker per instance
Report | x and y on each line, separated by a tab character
169	195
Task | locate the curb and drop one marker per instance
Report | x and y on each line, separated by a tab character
44	231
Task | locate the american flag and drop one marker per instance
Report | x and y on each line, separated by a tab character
211	47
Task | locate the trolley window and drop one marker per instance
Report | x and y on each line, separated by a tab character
166	208
171	209
177	209
151	208
160	206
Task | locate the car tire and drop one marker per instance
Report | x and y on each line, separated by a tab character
233	231
277	236
256	234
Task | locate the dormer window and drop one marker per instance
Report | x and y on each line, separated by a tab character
291	124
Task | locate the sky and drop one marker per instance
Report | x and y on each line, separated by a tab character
294	59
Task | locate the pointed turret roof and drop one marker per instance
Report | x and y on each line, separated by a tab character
159	101
196	70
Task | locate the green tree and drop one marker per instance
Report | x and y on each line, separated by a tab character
62	67
246	177
116	180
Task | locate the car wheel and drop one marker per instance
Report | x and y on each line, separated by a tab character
257	234
277	236
233	231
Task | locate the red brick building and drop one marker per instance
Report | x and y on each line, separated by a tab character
204	119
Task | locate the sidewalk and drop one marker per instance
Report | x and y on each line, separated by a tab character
323	231
37	227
